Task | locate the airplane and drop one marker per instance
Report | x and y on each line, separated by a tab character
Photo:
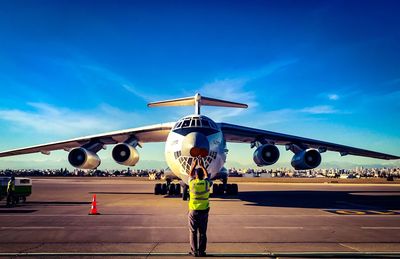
195	137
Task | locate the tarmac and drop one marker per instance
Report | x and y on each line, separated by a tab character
265	219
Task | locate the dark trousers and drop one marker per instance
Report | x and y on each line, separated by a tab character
198	220
10	199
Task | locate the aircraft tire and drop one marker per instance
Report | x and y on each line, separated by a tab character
177	189
171	190
216	189
157	189
164	189
229	189
235	189
185	194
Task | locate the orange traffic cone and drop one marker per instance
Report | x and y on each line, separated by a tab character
93	210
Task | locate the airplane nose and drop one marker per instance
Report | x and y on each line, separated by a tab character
195	144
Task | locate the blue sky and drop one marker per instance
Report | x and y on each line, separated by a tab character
323	69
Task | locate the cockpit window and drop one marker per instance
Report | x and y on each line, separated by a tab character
193	123
186	123
205	123
213	125
178	125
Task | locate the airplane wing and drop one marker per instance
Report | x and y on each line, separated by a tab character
240	134
153	133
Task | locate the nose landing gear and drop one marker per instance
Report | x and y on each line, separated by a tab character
167	188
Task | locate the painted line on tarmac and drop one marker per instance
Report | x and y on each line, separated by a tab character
29	228
152	227
396	214
387	228
361	212
267	254
263	227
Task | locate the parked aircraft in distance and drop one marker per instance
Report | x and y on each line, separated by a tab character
195	137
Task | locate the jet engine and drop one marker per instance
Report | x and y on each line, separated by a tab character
83	158
125	154
266	154
306	159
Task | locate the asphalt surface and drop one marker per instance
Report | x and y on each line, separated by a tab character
263	218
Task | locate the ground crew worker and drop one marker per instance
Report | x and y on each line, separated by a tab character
11	192
199	190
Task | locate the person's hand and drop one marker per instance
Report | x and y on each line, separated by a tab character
201	162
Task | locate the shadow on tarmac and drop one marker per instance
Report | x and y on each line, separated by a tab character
118	193
321	199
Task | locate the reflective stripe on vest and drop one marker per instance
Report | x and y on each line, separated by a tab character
199	193
10	186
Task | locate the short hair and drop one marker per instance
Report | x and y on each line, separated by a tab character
200	173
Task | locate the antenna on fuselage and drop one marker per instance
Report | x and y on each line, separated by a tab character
197	101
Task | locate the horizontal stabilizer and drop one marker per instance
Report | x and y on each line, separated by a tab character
197	101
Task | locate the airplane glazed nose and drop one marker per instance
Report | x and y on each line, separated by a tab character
195	144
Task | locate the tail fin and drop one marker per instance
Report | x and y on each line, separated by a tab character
197	101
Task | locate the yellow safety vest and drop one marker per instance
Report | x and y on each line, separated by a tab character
199	192
10	186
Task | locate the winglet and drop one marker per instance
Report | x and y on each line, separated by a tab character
197	101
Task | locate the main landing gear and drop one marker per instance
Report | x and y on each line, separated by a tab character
167	188
174	189
228	189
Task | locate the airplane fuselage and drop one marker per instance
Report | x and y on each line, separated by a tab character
191	132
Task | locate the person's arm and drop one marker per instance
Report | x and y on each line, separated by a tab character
192	168
201	164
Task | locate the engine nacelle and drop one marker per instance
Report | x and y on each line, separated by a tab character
266	155
306	159
83	158
125	154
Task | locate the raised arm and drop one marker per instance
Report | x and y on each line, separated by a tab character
192	168
201	164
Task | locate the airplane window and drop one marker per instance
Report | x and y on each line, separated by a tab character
198	123
205	123
186	123
195	122
178	125
213	125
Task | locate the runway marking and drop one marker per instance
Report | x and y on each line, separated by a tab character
348	246
263	227
153	227
387	228
381	214
28	228
363	212
353	254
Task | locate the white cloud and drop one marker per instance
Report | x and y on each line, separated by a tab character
58	121
320	109
230	90
90	73
333	97
234	89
